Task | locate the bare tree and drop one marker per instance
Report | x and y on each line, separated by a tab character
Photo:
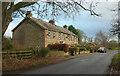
80	36
101	38
11	10
90	39
85	39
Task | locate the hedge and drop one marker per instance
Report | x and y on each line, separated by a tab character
43	52
74	49
59	47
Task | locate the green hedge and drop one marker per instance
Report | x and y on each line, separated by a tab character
72	49
43	52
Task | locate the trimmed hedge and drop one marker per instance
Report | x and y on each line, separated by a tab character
59	47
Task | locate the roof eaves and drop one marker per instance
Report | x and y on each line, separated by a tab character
38	23
18	24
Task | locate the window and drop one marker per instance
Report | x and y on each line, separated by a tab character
71	38
49	33
68	36
59	35
74	38
63	36
53	34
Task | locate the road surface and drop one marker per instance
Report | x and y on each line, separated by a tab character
91	64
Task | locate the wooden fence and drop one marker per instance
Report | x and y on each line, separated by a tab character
18	54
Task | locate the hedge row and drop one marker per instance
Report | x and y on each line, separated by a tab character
59	47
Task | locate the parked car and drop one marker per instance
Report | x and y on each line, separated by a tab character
102	50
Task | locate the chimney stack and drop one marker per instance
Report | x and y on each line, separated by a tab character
52	22
65	26
28	14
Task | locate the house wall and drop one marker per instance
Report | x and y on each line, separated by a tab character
51	40
28	35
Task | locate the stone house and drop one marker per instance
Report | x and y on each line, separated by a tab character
32	32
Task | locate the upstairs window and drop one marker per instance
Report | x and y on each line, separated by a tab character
63	36
76	38
49	34
68	36
59	35
53	34
71	38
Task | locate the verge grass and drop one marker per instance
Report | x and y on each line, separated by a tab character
116	62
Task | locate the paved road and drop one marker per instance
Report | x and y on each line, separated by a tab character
90	64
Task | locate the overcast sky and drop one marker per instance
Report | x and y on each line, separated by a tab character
90	25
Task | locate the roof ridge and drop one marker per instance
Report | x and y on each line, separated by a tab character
41	20
53	28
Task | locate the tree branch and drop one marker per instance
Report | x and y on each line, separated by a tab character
90	10
22	4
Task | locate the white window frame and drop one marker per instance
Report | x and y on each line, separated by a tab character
59	35
63	36
49	34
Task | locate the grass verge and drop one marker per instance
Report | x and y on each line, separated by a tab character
116	62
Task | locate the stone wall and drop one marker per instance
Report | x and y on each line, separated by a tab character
51	40
28	35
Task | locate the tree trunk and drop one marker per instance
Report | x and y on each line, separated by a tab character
118	40
6	19
6	15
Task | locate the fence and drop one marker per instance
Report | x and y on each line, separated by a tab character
18	54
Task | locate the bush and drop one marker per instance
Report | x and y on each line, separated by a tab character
82	48
59	47
72	48
6	44
43	52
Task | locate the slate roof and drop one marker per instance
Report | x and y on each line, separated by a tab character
48	26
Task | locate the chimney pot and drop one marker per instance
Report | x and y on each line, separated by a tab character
52	22
28	14
65	26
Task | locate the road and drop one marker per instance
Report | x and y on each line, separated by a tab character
91	64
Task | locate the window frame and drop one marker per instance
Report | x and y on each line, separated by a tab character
54	34
63	36
59	35
49	34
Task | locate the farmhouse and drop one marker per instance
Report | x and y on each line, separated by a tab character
32	32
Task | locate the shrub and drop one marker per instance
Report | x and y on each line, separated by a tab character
43	52
82	48
6	44
72	49
59	47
